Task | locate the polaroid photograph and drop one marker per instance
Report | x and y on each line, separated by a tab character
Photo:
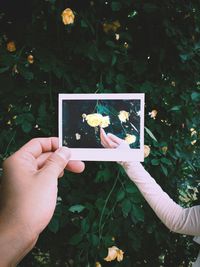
81	116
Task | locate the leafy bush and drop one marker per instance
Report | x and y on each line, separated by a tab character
111	46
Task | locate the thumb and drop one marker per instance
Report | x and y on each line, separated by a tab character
57	162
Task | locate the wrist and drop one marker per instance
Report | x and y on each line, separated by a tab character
15	241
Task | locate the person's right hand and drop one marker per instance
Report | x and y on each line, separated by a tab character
112	141
28	194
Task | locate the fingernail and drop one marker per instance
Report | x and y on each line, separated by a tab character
64	153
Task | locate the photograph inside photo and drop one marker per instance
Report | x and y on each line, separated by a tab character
85	119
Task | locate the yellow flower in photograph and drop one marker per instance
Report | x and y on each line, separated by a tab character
30	59
114	253
67	16
97	264
78	136
94	119
147	151
11	46
130	139
123	116
105	122
153	113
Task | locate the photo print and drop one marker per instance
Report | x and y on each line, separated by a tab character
82	115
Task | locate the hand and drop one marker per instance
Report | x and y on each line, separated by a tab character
28	194
112	141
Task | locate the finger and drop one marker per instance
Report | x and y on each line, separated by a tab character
75	166
42	159
115	139
106	141
61	175
109	144
56	163
37	146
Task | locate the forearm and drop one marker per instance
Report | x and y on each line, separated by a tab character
15	243
176	218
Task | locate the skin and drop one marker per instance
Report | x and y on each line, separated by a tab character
28	195
112	141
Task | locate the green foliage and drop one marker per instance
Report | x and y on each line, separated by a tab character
113	46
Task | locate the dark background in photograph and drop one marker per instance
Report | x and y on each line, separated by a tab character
88	137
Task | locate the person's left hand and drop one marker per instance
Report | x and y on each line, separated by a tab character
29	190
112	141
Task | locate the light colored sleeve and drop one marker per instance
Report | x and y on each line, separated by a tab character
176	218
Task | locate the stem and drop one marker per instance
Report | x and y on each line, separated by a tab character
104	207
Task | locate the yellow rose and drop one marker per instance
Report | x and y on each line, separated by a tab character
94	119
30	59
147	151
130	139
105	122
113	26
11	46
97	264
114	253
153	113
67	16
193	131
164	149
123	116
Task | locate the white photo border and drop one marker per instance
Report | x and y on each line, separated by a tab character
96	154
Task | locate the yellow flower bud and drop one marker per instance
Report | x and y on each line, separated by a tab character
164	149
153	113
30	59
97	264
113	26
67	16
147	151
11	46
114	253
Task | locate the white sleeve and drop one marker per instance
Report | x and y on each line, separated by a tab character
176	218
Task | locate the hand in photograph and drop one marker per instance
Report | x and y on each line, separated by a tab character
112	141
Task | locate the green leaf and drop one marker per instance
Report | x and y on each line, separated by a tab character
94	240
150	134
164	169
77	208
84	24
176	108
166	161
116	6
155	162
4	69
76	239
138	212
26	126
27	74
114	59
85	225
120	195
126	207
195	96
54	225
131	188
